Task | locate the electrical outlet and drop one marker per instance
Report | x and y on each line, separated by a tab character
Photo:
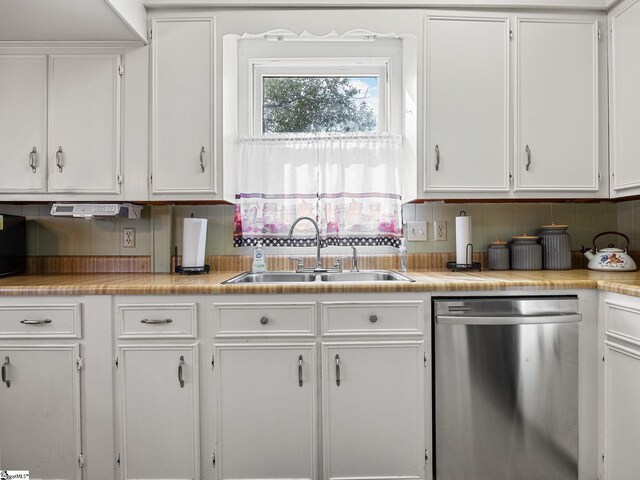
440	229
416	231
129	237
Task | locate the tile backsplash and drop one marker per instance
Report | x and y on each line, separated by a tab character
58	236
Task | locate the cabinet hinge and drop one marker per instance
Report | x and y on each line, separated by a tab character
118	459
151	178
426	456
510	177
81	460
602	456
79	363
599	176
603	358
598	34
121	70
150	33
510	34
425	359
213	459
213	361
119	179
116	361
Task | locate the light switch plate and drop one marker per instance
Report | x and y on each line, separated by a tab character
417	231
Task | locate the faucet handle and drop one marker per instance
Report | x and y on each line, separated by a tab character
337	263
299	263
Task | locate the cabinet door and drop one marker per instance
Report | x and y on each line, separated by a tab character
556	118
84	123
624	74
373	410
467	104
266	411
159	413
23	127
40	411
621	411
182	106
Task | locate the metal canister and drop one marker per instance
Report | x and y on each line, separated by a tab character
498	254
556	247
526	253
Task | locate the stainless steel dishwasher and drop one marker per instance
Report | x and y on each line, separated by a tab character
506	388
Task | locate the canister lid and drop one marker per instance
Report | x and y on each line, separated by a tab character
524	236
498	242
554	226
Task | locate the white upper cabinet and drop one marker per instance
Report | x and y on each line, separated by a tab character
624	85
182	123
467	104
84	123
23	123
557	106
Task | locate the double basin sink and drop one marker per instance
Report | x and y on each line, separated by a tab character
310	277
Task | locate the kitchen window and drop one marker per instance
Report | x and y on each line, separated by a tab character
319	127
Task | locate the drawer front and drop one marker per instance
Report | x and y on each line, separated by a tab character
264	319
372	318
157	320
622	322
58	320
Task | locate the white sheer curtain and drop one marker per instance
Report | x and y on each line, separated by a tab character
349	183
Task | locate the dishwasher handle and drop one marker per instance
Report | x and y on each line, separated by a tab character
509	320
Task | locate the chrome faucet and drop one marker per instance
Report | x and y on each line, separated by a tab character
354	260
315	224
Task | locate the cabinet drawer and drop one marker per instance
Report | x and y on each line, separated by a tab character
264	319
372	318
622	322
157	320
58	320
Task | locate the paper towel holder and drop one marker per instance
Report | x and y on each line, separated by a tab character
470	266
189	270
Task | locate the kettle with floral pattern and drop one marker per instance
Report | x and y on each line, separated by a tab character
610	258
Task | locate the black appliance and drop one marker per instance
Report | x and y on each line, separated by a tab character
13	244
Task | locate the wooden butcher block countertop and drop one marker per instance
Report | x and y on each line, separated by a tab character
425	281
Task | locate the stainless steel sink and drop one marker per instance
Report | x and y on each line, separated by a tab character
272	277
365	276
306	277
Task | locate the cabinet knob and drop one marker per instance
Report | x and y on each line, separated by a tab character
264	320
373	318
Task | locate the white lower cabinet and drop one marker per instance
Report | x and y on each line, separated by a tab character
372	395
622	388
40	410
159	417
265	397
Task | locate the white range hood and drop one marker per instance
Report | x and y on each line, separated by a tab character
96	210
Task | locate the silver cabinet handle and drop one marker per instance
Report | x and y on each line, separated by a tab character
338	370
33	156
528	150
437	158
300	370
59	159
264	320
35	322
153	321
4	372
373	318
202	150
180	380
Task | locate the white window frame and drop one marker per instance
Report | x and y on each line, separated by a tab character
322	67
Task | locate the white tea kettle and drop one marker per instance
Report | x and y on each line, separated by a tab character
610	258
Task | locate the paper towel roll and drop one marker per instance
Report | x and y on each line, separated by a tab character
463	238
194	240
